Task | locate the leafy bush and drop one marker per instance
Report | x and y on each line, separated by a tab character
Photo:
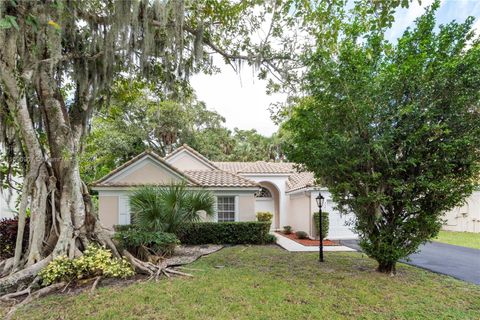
143	243
301	235
325	223
59	269
95	261
168	208
264	216
287	229
8	237
254	232
270	238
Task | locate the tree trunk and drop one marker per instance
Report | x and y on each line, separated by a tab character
61	222
387	267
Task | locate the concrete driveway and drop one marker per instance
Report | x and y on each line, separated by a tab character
458	262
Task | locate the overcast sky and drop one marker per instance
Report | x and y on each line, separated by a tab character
242	99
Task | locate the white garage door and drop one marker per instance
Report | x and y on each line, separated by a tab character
337	227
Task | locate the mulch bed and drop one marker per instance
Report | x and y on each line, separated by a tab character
309	242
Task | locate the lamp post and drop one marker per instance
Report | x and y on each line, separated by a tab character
320	200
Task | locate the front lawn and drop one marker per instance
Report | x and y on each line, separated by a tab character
464	239
266	282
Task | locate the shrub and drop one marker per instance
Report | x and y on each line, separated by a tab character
254	232
95	261
301	235
270	238
264	216
325	223
168	208
8	237
287	229
59	269
142	243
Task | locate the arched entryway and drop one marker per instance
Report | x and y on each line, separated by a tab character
267	199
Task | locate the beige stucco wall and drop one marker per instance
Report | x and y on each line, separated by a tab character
185	161
148	173
299	215
246	207
466	217
108	210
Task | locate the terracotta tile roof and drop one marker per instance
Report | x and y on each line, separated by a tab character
232	166
101	182
296	180
219	178
300	180
257	167
194	152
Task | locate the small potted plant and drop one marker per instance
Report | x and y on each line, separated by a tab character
287	229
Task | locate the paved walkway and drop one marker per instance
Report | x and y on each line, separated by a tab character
294	246
458	262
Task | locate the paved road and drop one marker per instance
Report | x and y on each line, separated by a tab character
458	262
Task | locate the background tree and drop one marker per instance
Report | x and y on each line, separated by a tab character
138	118
392	130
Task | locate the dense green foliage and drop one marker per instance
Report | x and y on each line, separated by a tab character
225	233
95	261
393	130
166	209
8	236
144	243
325	223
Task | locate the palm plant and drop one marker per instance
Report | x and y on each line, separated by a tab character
166	209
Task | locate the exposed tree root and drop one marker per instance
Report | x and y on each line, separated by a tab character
95	284
178	272
20	277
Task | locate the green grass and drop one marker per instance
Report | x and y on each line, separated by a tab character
266	282
464	239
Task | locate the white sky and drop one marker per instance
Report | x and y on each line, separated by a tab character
242	99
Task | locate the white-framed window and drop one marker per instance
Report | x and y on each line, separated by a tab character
263	193
226	208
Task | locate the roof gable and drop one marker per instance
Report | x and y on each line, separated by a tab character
146	168
187	158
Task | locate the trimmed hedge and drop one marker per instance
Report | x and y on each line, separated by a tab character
254	232
325	223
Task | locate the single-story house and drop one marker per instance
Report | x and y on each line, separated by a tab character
241	189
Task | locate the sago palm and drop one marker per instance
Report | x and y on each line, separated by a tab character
167	208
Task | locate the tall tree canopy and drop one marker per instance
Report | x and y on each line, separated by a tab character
393	129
